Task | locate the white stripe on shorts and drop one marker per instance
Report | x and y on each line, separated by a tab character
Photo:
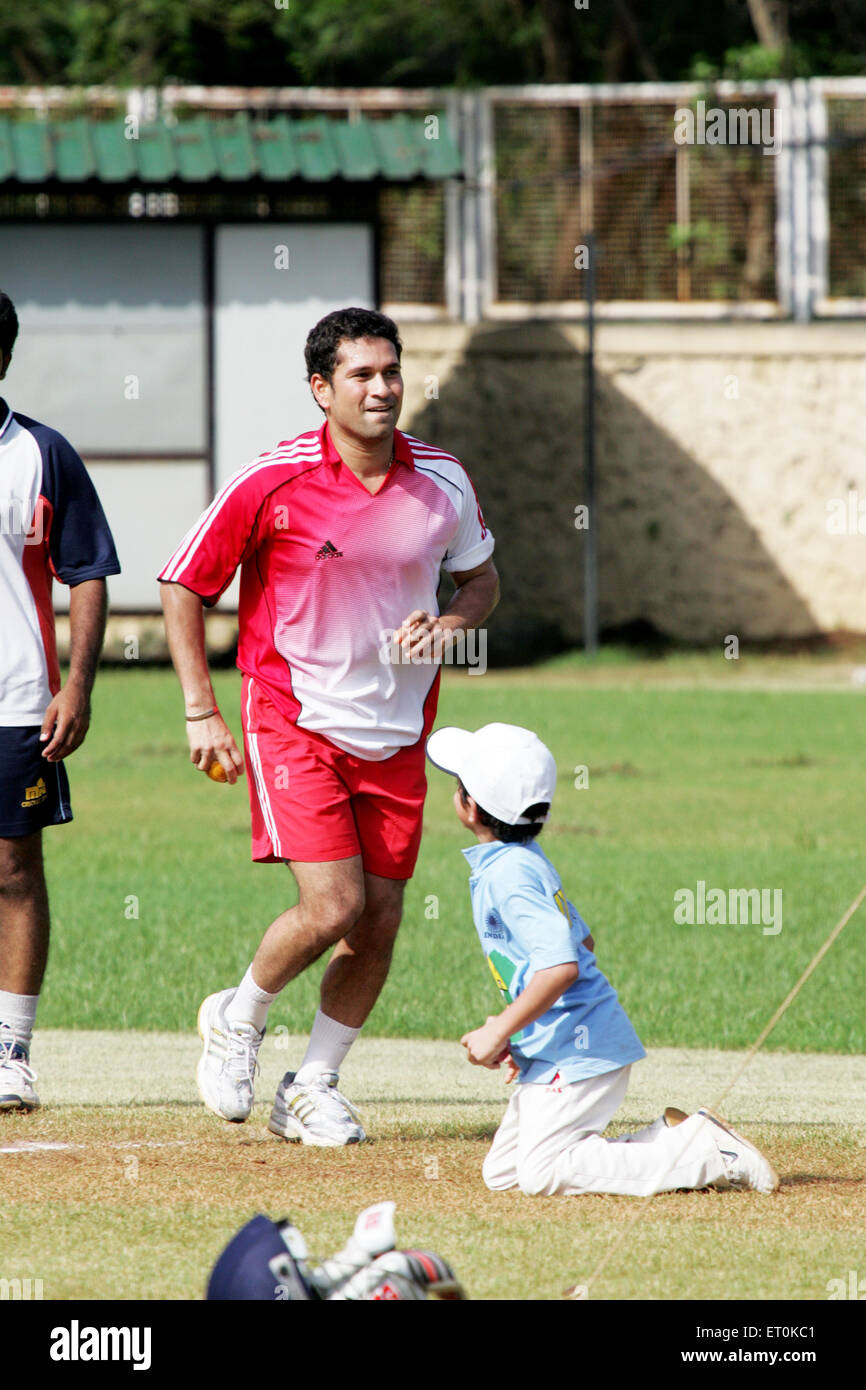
264	803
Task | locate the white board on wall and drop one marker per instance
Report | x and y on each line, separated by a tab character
149	507
273	283
111	348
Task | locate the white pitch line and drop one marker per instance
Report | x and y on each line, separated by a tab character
29	1146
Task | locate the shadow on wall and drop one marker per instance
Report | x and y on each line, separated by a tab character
676	554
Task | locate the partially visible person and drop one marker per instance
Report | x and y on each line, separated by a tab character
339	534
563	1033
51	527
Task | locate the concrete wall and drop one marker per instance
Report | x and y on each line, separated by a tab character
725	457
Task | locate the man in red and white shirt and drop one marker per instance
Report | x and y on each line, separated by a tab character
340	535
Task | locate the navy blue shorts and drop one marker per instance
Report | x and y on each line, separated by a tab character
33	793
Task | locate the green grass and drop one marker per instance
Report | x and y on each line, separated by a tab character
713	1261
156	903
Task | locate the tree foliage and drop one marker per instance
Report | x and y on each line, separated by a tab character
422	42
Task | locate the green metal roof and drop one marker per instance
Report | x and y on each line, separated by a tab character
204	147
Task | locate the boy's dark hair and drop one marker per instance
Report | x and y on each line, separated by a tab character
320	353
8	324
510	834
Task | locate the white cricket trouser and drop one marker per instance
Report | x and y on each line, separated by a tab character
550	1141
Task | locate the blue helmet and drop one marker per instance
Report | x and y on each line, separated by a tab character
265	1261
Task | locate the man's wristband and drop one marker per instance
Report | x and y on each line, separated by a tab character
191	718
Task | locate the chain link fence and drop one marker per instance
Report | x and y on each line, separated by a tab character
705	221
412	244
758	206
846	187
673	222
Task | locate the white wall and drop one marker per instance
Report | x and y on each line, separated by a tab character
111	344
147	505
263	316
112	352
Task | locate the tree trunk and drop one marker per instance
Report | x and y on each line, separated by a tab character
554	42
770	21
645	59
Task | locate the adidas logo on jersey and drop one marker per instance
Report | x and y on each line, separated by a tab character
329	552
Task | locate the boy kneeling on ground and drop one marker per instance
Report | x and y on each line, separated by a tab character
563	1033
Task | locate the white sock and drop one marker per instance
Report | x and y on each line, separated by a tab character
18	1012
250	1004
328	1045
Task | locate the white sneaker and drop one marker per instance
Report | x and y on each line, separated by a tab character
228	1066
316	1114
748	1170
16	1074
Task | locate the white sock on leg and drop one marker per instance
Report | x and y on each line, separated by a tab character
328	1045
250	1004
18	1013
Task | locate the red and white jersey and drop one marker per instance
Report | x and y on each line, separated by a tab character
328	572
51	527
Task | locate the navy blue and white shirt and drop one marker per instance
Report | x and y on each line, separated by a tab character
525	924
52	526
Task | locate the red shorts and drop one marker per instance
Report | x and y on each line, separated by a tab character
312	802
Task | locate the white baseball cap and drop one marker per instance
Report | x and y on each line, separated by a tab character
504	768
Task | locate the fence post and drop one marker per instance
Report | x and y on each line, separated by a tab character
453	239
470	230
784	202
819	213
800	268
590	554
797	268
486	203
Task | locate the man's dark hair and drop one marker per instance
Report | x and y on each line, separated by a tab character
8	324
320	353
510	834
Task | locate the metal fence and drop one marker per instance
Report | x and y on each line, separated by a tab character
734	200
846	192
675	224
743	199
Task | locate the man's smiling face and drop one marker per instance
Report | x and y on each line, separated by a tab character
365	397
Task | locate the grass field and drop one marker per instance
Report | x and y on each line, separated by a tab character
149	1186
155	901
742	775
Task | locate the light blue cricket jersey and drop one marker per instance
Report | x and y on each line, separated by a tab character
525	923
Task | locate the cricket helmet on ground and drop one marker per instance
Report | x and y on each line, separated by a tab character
266	1260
